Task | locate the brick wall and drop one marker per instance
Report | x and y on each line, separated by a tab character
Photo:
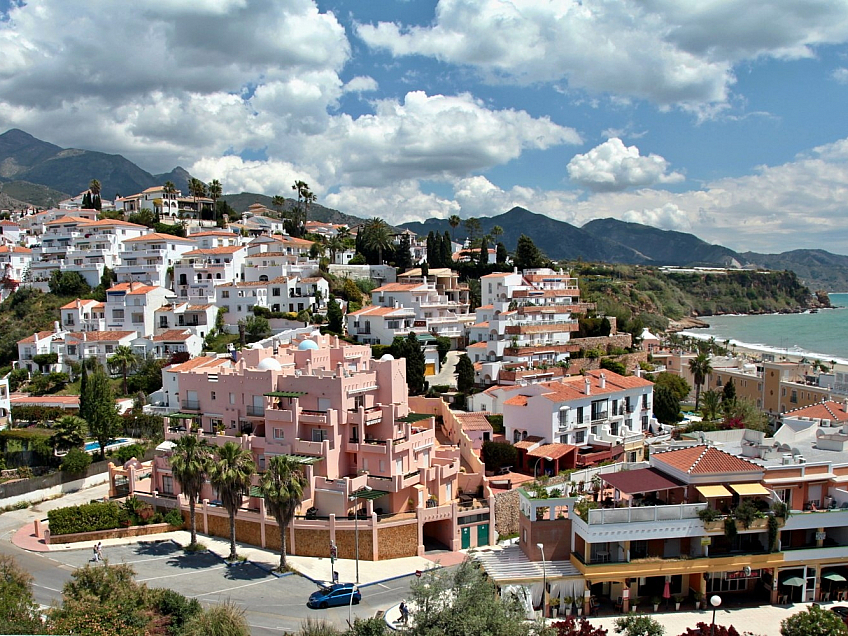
397	541
507	510
346	544
135	531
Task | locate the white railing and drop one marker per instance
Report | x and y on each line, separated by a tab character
644	514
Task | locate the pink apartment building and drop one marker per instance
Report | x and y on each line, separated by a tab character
347	418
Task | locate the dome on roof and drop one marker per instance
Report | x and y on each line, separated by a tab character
307	344
387	356
269	364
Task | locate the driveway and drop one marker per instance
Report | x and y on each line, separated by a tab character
447	374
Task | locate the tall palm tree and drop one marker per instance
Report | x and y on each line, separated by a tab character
215	192
190	462
700	368
454	221
376	235
126	358
496	232
230	474
94	187
335	245
279	203
304	198
282	486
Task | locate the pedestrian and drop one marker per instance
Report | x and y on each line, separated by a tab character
96	557
98	550
404	613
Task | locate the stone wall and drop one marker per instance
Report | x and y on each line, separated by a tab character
507	509
397	541
346	544
622	340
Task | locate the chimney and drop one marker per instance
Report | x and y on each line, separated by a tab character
588	385
603	381
637	372
56	326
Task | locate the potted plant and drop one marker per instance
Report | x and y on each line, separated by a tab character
578	603
634	604
568	600
697	596
677	601
655	601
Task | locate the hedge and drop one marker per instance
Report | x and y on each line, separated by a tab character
84	518
36	413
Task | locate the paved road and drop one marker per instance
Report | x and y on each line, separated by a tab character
273	605
447	374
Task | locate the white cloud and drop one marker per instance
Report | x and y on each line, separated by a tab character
668	217
272	177
613	166
401	203
361	84
840	75
665	51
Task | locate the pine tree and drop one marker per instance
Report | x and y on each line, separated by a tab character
464	374
334	316
527	255
98	403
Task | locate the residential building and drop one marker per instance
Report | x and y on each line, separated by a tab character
10	232
171	344
147	259
199	319
347	419
98	345
83	315
132	306
15	262
33	350
198	271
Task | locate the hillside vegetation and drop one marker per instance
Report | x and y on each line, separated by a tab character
656	297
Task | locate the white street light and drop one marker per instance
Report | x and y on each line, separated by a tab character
537	464
715	601
541	546
355	496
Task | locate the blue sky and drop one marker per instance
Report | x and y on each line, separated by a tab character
724	118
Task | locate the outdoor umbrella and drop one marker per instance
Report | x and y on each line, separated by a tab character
793	581
834	577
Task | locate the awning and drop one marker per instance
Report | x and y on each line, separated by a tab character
750	489
183	416
414	417
370	494
256	491
792	581
284	394
640	480
304	459
711	492
166	446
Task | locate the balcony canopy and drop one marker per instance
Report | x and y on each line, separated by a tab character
750	489
641	480
284	394
414	417
713	492
370	494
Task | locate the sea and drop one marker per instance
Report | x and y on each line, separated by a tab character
822	335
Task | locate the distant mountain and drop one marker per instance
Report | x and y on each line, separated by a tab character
240	203
663	247
178	176
557	239
818	269
25	158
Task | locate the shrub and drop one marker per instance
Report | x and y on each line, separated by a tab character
226	619
178	608
84	518
123	454
76	462
174	518
708	514
496	455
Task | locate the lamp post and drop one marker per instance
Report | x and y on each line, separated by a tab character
541	546
350	606
537	464
715	601
354	497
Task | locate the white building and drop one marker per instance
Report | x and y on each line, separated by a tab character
198	271
132	306
83	315
286	294
166	345
146	259
199	319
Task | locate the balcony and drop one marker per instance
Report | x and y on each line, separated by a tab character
306	447
313	417
642	514
255	411
191	405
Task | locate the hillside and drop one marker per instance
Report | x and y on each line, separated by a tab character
818	269
317	212
557	239
35	194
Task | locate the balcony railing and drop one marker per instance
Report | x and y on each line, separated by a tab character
256	411
191	405
645	514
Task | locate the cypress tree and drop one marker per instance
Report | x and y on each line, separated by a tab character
98	403
334	316
464	374
431	249
447	251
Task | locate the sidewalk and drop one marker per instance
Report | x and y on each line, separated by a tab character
315	569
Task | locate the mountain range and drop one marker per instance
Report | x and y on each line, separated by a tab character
40	173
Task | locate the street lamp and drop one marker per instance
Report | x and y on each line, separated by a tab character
354	497
715	601
537	464
350	606
541	546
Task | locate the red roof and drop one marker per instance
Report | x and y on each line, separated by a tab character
158	236
518	400
31	339
99	336
699	460
640	480
830	410
554	451
173	335
133	288
528	442
474	421
224	249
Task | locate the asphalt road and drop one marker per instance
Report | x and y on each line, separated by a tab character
273	605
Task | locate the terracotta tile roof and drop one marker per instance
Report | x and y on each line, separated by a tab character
554	451
475	421
16	249
518	400
311	279
704	460
528	442
198	307
224	249
497	275
477	345
258	283
133	288
574	387
275	254
214	233
486	307
640	480
157	236
9	223
481	324
830	410
377	310
111	222
200	361
64	400
99	336
391	287
68	219
79	303
31	339
172	335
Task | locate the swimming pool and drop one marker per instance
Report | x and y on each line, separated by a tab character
91	447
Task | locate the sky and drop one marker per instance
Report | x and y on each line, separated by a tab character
723	118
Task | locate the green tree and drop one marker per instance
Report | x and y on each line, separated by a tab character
76	462
410	349
68	284
97	407
17	377
18	611
700	368
190	462
282	487
666	405
335	318
472	229
94	188
496	455
483	257
144	216
335	244
351	291
230	474
464	374
710	404
377	236
527	255
816	621
215	192
454	221
678	385
279	202
745	414
638	625
613	365
403	257
124	358
68	433
501	254
300	214
256	327
728	396
462	602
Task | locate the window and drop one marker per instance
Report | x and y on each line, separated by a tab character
72	350
645	404
599	410
563	418
232	398
225	293
109	348
138	318
793	398
212	395
167	485
579	414
579	437
118	314
275	291
279	434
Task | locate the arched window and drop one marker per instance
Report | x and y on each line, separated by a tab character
516	437
263	278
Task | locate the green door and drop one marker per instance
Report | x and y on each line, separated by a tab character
466	537
483	535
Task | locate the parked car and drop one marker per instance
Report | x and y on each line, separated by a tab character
841	611
334	595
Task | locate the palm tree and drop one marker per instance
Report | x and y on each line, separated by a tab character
454	221
279	203
190	462
700	368
230	474
94	187
68	433
376	235
124	357
304	198
215	192
282	486
334	245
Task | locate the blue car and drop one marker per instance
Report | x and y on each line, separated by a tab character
334	595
